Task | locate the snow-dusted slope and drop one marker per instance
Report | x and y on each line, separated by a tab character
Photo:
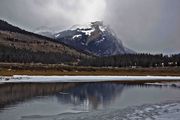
95	38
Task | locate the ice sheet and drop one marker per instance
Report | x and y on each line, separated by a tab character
25	78
161	111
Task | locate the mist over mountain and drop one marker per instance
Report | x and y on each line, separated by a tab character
146	26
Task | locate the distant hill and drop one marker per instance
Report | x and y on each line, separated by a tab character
18	45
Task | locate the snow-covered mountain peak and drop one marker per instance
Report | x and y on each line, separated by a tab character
93	37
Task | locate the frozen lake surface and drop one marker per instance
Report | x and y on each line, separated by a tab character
24	78
95	101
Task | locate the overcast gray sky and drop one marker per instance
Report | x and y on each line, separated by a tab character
151	26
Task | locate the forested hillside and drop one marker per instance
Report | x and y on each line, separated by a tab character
17	45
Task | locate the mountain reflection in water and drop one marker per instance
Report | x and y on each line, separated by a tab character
92	95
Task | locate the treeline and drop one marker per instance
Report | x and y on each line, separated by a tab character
15	55
133	60
10	54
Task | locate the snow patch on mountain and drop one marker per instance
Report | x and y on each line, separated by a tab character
102	28
87	31
98	42
57	35
76	36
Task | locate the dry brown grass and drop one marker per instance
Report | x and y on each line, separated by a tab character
89	71
9	69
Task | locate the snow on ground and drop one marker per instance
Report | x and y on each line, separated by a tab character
162	111
24	78
169	111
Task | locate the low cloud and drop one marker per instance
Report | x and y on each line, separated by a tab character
143	25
